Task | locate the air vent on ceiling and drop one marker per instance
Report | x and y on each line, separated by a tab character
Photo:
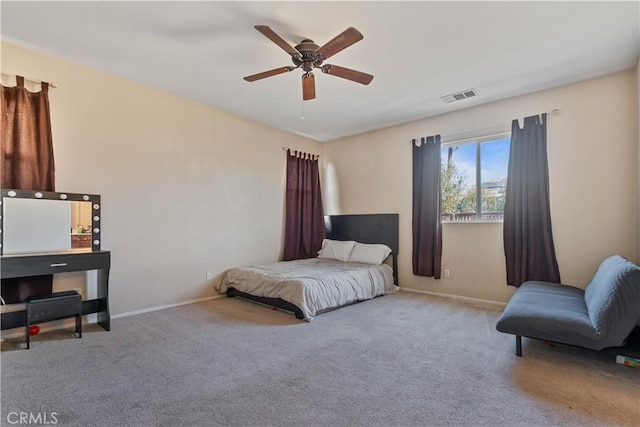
459	96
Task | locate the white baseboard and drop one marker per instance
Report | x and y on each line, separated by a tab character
458	297
163	307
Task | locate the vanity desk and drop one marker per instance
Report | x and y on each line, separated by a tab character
39	236
26	265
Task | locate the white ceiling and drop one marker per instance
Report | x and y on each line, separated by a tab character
417	51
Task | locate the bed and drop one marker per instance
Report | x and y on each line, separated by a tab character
312	286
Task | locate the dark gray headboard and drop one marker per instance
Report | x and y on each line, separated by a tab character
367	228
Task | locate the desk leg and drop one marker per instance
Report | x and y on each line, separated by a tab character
104	319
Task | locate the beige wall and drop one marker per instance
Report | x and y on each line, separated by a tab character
593	161
186	188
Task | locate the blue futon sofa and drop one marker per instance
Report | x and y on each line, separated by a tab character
601	316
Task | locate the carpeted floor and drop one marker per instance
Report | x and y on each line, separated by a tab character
400	360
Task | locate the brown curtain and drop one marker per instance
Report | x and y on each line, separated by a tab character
427	225
528	240
27	163
27	144
304	214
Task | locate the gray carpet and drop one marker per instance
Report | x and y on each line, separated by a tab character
404	359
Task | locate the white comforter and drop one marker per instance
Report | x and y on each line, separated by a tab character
314	284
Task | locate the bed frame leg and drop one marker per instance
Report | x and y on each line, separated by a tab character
518	346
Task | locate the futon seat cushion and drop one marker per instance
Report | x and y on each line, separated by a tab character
551	312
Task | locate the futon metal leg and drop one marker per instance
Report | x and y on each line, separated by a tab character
518	346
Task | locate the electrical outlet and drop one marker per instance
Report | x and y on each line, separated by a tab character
447	273
209	275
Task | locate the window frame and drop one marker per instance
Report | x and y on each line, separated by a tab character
478	140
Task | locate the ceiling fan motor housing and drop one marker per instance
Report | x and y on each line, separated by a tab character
308	59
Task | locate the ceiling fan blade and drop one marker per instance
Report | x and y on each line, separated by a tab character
269	73
340	42
308	87
347	73
271	35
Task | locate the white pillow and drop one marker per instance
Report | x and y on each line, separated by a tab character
369	253
336	249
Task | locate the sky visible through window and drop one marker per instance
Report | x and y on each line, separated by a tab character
466	196
494	155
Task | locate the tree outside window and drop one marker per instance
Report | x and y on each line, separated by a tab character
467	166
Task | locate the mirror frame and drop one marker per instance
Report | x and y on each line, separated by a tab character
96	206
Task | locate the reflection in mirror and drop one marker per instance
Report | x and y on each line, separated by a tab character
80	225
81	217
35	222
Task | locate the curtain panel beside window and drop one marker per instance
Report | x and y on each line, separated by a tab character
27	163
528	239
27	142
304	213
426	219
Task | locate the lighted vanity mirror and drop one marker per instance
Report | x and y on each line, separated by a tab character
47	221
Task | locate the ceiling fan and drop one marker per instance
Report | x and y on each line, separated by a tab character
307	55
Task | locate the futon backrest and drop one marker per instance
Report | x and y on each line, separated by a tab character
613	299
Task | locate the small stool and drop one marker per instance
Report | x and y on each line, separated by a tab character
55	306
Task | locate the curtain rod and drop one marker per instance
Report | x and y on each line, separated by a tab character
291	149
32	80
555	110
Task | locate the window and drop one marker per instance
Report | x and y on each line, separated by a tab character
471	164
